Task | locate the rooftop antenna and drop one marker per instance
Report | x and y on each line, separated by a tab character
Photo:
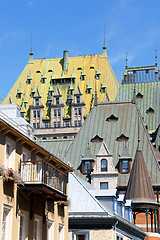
126	59
156	57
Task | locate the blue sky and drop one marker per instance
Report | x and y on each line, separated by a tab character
77	26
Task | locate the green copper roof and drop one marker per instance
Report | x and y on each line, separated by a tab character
147	96
127	124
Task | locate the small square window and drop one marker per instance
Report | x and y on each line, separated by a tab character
55	112
58	124
75	123
82	77
34	125
59	112
79	111
67	123
103	185
54	124
79	123
75	111
37	125
38	113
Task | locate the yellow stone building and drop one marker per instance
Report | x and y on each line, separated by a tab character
55	95
33	184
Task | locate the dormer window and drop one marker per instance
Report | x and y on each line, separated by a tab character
121	138
22	114
103	89
43	80
124	166
57	100
97	76
19	95
104	165
29	81
37	102
139	95
150	110
112	118
88	91
83	77
78	99
87	167
49	103
69	101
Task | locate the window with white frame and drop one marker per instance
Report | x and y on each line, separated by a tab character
37	228
50	230
6	222
80	235
23	226
10	153
61	232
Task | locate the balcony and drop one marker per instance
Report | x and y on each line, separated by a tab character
42	176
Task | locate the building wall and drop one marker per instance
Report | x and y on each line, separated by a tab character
107	234
25	203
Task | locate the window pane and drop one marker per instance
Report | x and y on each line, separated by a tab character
104	165
125	166
87	167
104	185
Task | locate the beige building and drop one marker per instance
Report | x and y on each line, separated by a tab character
33	184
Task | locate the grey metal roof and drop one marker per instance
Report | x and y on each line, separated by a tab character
127	124
149	93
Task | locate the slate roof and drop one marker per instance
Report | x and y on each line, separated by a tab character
127	124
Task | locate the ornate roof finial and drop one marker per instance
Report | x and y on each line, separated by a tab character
31	53
104	47
126	59
156	57
95	96
134	95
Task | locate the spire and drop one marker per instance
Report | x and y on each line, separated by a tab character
134	95
31	53
156	57
126	59
95	98
88	155
104	46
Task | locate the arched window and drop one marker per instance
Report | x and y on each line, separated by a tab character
104	165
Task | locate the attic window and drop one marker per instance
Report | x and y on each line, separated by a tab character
103	89
29	81
97	139
122	137
38	71
150	110
88	91
79	68
139	95
43	80
112	118
19	95
91	67
98	76
83	77
50	70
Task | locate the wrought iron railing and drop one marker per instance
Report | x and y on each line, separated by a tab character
44	173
